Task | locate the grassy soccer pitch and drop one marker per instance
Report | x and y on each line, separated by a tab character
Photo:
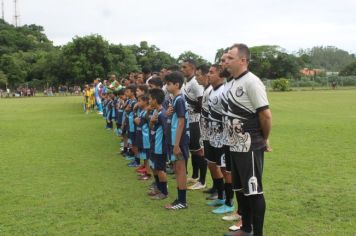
60	173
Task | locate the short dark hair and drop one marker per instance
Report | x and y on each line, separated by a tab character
203	68
121	92
173	68
144	98
156	81
158	95
143	87
191	62
175	77
146	70
132	87
243	50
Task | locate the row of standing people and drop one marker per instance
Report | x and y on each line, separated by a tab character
219	116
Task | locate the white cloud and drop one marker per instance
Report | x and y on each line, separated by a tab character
196	25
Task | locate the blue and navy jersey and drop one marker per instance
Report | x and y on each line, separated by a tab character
120	114
167	128
157	135
180	111
109	109
143	132
131	115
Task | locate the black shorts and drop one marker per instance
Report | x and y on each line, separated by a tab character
244	177
132	138
227	158
194	140
144	154
185	153
214	155
159	161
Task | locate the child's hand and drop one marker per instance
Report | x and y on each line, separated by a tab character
137	120
176	150
154	118
169	111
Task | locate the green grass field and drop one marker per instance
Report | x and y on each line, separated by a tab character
60	173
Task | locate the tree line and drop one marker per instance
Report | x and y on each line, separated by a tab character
28	57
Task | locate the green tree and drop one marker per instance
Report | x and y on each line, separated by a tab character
350	69
86	58
191	55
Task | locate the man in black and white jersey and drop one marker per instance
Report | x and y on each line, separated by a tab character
214	150
250	122
193	93
202	79
227	171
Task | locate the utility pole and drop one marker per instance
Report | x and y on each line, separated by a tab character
16	16
2	10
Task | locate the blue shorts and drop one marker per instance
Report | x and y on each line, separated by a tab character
185	153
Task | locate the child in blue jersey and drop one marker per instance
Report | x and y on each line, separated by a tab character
140	91
142	135
110	111
130	93
158	145
179	138
119	110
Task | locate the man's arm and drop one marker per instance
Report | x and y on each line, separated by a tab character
265	118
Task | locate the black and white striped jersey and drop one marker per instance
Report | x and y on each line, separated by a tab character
215	117
204	118
192	91
246	98
224	102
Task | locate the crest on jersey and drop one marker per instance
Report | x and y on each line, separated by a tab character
215	100
239	91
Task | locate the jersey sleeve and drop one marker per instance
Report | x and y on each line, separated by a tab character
256	91
198	90
180	108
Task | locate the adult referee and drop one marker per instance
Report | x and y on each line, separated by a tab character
250	121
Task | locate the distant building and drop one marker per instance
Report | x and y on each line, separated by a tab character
311	72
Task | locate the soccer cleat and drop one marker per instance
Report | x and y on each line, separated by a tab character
197	186
216	202
159	196
212	196
232	217
223	209
128	158
153	192
144	177
176	205
192	180
236	226
133	164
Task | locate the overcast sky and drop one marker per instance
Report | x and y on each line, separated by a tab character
196	25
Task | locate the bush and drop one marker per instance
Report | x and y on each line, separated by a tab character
280	85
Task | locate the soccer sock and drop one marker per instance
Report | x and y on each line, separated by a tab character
258	207
244	211
229	195
203	166
182	195
195	165
164	188
220	187
156	180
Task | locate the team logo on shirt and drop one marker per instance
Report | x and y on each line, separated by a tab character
215	100
239	91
